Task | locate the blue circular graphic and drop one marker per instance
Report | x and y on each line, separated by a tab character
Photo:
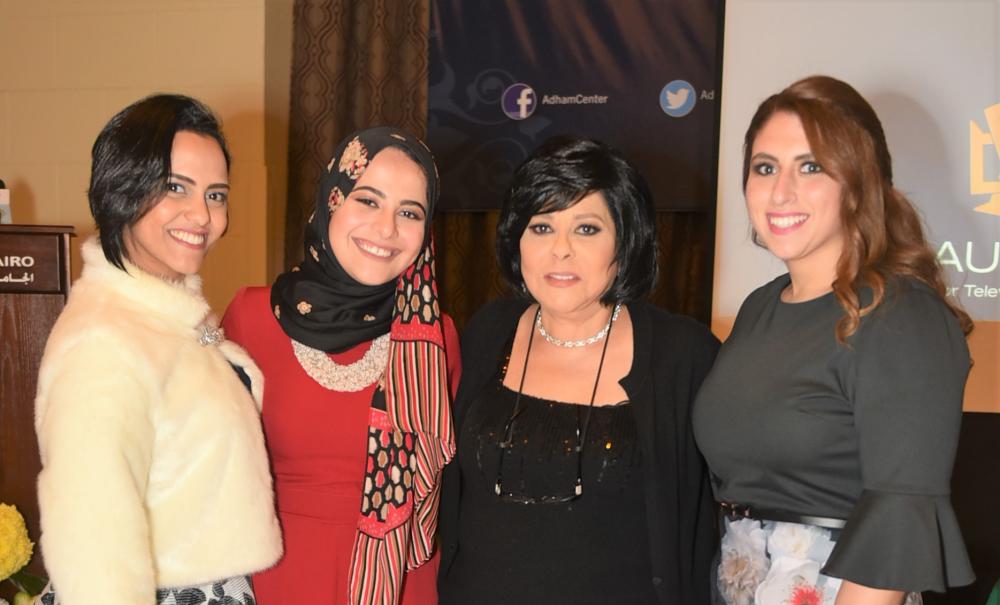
677	98
519	101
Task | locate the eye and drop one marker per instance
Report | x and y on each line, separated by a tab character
219	197
367	201
588	229
763	168
413	215
811	168
540	228
174	187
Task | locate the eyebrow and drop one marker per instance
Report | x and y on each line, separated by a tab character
591	215
189	180
383	196
768	156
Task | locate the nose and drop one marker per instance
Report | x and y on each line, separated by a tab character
197	211
784	188
385	222
561	246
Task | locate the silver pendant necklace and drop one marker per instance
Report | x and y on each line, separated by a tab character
583	342
349	378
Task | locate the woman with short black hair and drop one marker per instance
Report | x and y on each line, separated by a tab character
576	478
155	486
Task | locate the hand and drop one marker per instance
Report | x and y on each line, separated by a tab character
856	594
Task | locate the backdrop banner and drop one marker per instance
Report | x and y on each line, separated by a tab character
643	76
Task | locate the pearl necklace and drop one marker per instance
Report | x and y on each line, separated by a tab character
349	378
583	342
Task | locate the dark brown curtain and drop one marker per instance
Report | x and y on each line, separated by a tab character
358	64
354	65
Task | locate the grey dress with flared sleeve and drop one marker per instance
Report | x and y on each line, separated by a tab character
791	420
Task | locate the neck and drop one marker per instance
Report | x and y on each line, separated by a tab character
576	324
808	283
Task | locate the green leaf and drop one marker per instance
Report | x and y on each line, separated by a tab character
28	582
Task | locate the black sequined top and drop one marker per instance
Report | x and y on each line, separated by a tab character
589	550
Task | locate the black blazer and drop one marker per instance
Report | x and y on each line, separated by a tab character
671	358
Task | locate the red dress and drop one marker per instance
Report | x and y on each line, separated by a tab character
317	443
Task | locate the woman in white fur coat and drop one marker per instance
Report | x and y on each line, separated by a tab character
155	485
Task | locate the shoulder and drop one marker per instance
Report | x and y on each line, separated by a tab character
96	318
248	319
250	299
765	295
909	303
912	321
670	330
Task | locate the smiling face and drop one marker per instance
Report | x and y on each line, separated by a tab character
794	205
378	230
567	256
173	237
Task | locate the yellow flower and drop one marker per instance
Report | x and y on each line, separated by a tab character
15	547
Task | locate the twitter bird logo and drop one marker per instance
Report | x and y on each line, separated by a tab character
677	98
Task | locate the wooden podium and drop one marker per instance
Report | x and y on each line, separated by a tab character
34	283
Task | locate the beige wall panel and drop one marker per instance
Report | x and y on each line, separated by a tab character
69	65
5	155
105	50
240	258
27	50
34	132
210	47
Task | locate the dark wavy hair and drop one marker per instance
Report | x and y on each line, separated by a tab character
559	174
884	238
131	162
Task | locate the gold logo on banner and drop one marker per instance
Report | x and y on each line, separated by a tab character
978	142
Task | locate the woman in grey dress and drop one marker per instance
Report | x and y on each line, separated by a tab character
831	417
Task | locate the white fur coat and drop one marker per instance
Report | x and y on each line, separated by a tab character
154	468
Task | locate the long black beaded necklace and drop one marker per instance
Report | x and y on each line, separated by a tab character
581	432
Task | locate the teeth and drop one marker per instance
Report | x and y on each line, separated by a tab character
373	249
561	277
195	239
784	222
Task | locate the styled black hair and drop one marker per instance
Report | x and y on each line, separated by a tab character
556	176
131	162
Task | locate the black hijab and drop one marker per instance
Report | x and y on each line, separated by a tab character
317	302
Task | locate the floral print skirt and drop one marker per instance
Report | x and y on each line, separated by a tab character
234	591
777	563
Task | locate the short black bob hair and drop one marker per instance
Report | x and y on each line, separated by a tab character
131	162
559	174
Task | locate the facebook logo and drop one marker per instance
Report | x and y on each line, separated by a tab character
519	101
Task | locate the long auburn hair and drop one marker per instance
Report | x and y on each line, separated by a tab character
884	237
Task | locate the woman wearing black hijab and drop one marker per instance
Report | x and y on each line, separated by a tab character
358	361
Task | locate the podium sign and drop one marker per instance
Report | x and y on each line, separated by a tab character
34	261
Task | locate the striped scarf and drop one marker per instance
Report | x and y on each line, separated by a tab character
408	445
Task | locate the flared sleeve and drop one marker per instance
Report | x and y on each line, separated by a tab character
909	366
